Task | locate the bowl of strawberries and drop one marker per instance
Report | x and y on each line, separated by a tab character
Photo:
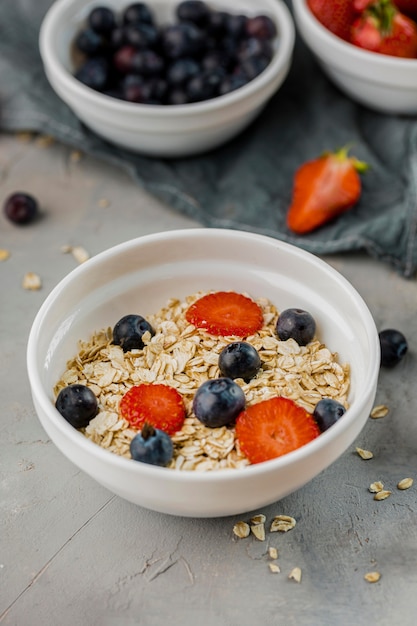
368	48
203	372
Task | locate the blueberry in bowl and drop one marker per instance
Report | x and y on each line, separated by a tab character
205	69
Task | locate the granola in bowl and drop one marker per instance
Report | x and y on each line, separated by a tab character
184	356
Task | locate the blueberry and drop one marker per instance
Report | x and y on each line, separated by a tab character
94	73
123	60
141	35
239	360
327	412
182	40
135	89
89	42
20	208
236	26
393	347
193	11
102	20
296	324
231	83
199	88
253	66
218	402
181	70
129	330
261	26
216	24
77	404
138	12
148	63
152	446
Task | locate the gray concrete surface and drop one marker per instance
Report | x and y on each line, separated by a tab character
72	554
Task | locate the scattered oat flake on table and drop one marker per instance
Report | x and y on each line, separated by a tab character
4	254
272	552
24	136
282	523
103	203
259	531
80	254
379	411
75	156
364	454
274	568
376	487
258	519
295	574
31	281
241	530
405	483
44	141
372	577
382	495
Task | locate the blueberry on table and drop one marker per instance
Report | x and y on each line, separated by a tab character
152	446
20	208
327	412
77	404
393	347
239	360
218	402
296	324
129	330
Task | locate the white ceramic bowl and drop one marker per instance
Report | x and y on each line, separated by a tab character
378	81
149	271
158	130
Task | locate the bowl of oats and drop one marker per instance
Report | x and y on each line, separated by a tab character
203	372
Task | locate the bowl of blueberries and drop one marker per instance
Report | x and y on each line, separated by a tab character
203	372
167	78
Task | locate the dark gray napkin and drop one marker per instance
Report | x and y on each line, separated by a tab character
247	183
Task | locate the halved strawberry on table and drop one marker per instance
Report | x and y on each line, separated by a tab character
274	427
159	405
335	15
324	188
226	313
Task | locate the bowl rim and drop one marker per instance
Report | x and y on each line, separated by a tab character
53	18
361	55
42	397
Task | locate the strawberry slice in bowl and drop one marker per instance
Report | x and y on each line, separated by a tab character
274	427
226	313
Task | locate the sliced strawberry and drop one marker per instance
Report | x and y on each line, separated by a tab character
159	405
336	15
226	313
274	427
323	189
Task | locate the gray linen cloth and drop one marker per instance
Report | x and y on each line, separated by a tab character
247	183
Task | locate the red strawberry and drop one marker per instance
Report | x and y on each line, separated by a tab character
324	188
226	313
159	405
335	15
383	29
274	427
